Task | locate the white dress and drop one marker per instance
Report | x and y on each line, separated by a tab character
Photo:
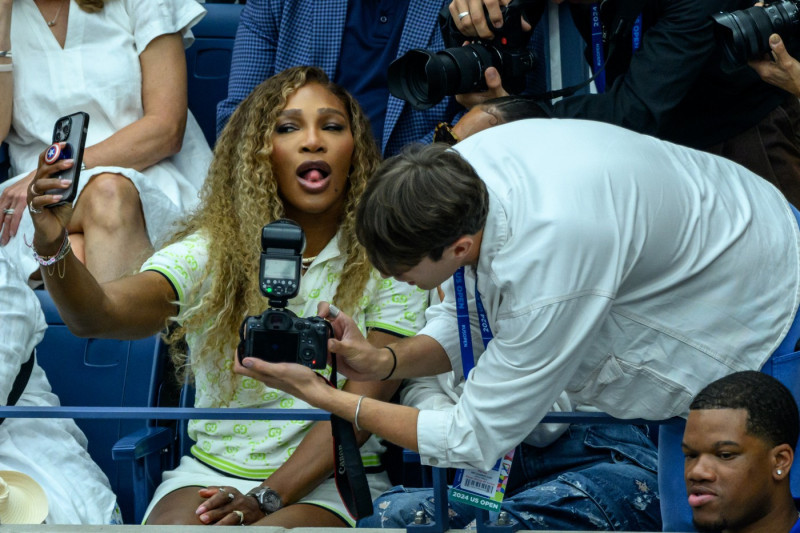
50	450
98	72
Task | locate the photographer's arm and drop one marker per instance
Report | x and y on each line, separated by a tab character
307	467
675	52
783	71
129	308
393	422
359	360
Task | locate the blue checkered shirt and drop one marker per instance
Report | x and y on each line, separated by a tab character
277	34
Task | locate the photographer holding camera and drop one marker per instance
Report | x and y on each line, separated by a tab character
629	277
666	76
297	147
780	69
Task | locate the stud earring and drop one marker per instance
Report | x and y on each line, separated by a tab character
780	472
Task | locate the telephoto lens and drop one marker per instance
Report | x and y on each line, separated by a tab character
423	78
744	34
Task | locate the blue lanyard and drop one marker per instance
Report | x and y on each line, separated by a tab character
598	54
462	314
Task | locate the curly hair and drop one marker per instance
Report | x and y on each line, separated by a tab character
239	196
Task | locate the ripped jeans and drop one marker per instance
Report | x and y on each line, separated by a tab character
594	477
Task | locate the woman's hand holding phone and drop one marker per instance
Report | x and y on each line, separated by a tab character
45	190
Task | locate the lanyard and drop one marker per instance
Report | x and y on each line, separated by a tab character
462	314
598	53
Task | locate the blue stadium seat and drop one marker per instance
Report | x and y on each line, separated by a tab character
109	373
208	62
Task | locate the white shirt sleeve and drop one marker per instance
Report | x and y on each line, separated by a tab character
153	18
22	322
517	380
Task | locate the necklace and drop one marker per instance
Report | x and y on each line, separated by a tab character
306	262
52	23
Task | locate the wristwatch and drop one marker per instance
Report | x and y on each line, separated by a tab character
268	500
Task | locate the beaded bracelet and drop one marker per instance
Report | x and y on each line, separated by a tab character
61	254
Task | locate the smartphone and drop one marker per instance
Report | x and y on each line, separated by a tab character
71	130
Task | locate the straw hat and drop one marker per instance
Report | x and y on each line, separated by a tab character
22	500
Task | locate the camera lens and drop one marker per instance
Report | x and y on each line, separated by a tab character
62	130
423	78
745	34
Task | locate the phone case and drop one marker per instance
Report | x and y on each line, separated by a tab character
71	130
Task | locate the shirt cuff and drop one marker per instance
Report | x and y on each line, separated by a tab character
432	436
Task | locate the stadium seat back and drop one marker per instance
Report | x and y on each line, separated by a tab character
208	62
102	373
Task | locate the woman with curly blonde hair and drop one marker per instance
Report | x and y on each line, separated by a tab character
299	147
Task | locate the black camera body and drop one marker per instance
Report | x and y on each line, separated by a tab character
278	335
744	34
424	78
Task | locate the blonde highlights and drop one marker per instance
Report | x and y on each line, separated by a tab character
239	196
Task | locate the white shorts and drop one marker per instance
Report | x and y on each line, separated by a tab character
193	473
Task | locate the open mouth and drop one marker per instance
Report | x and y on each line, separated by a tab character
313	172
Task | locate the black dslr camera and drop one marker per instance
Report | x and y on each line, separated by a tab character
278	335
423	78
744	34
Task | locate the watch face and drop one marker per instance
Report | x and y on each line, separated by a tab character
268	500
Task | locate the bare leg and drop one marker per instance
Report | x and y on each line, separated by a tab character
302	515
177	508
109	215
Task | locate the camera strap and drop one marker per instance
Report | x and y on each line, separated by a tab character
20	382
348	471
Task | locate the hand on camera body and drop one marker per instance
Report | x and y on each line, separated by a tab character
778	67
495	90
470	17
357	359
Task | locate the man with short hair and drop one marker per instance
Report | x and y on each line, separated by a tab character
627	271
739	446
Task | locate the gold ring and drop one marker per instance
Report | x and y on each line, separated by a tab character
33	189
240	515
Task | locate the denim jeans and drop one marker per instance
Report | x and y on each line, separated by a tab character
594	477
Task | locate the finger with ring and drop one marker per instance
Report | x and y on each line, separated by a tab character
8	211
32	209
333	311
240	515
34	191
463	14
